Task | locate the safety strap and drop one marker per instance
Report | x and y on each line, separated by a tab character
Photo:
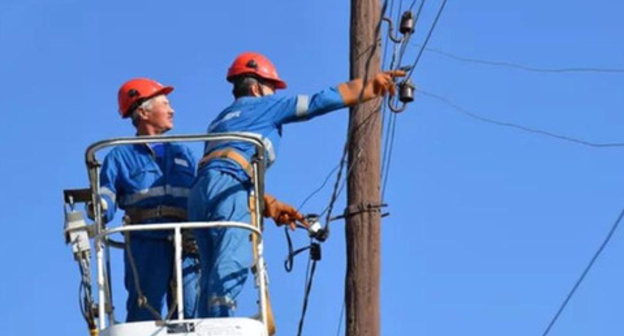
271	327
139	215
231	154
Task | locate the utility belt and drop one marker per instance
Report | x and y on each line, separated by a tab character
140	215
228	153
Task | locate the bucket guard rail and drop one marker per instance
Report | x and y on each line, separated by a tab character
101	234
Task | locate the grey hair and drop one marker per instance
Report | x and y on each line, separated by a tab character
146	105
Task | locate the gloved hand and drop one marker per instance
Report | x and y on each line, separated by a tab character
281	213
378	86
91	209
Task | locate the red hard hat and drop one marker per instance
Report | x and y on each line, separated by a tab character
256	64
135	91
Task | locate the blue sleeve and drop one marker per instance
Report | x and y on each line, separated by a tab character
191	159
305	107
108	185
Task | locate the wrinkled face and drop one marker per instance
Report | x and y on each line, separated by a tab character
158	118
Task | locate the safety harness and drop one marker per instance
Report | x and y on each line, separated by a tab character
140	215
230	154
244	164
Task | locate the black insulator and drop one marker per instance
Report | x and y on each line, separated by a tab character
322	235
407	23
315	251
406	91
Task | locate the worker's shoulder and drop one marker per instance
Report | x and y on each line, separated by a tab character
264	100
177	147
122	150
271	102
127	153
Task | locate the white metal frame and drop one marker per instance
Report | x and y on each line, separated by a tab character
102	249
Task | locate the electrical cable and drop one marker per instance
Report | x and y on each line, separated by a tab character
605	242
414	2
342	162
352	130
329	175
522	66
390	131
419	10
344	181
385	180
433	26
289	263
342	312
384	111
306	297
337	185
516	126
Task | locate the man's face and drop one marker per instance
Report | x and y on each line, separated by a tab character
159	118
268	88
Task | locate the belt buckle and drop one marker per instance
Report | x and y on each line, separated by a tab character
159	211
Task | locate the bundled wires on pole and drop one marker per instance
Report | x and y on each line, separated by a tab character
406	27
399	47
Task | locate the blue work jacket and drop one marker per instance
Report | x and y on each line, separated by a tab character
133	176
264	117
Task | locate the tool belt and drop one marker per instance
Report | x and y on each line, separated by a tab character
231	154
139	215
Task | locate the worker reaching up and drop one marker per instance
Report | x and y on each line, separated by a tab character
151	183
222	188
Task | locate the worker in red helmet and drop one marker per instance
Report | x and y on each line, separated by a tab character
222	188
150	182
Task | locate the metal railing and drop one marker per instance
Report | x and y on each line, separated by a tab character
102	248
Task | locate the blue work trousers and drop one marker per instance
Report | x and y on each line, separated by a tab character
153	258
225	253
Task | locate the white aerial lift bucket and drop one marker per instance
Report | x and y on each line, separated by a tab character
98	309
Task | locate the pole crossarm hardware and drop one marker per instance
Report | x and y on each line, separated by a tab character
356	209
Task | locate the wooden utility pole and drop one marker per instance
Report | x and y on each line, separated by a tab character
362	230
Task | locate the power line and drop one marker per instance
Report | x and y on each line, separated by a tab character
341	165
390	130
585	271
319	188
342	311
522	66
384	111
351	130
422	3
308	288
397	56
435	22
385	180
520	127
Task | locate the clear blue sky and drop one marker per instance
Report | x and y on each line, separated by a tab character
490	227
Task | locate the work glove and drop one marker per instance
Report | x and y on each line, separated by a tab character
281	213
378	86
91	209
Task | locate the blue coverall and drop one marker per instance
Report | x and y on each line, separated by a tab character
222	188
146	176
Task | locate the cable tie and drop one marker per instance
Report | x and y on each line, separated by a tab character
356	209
